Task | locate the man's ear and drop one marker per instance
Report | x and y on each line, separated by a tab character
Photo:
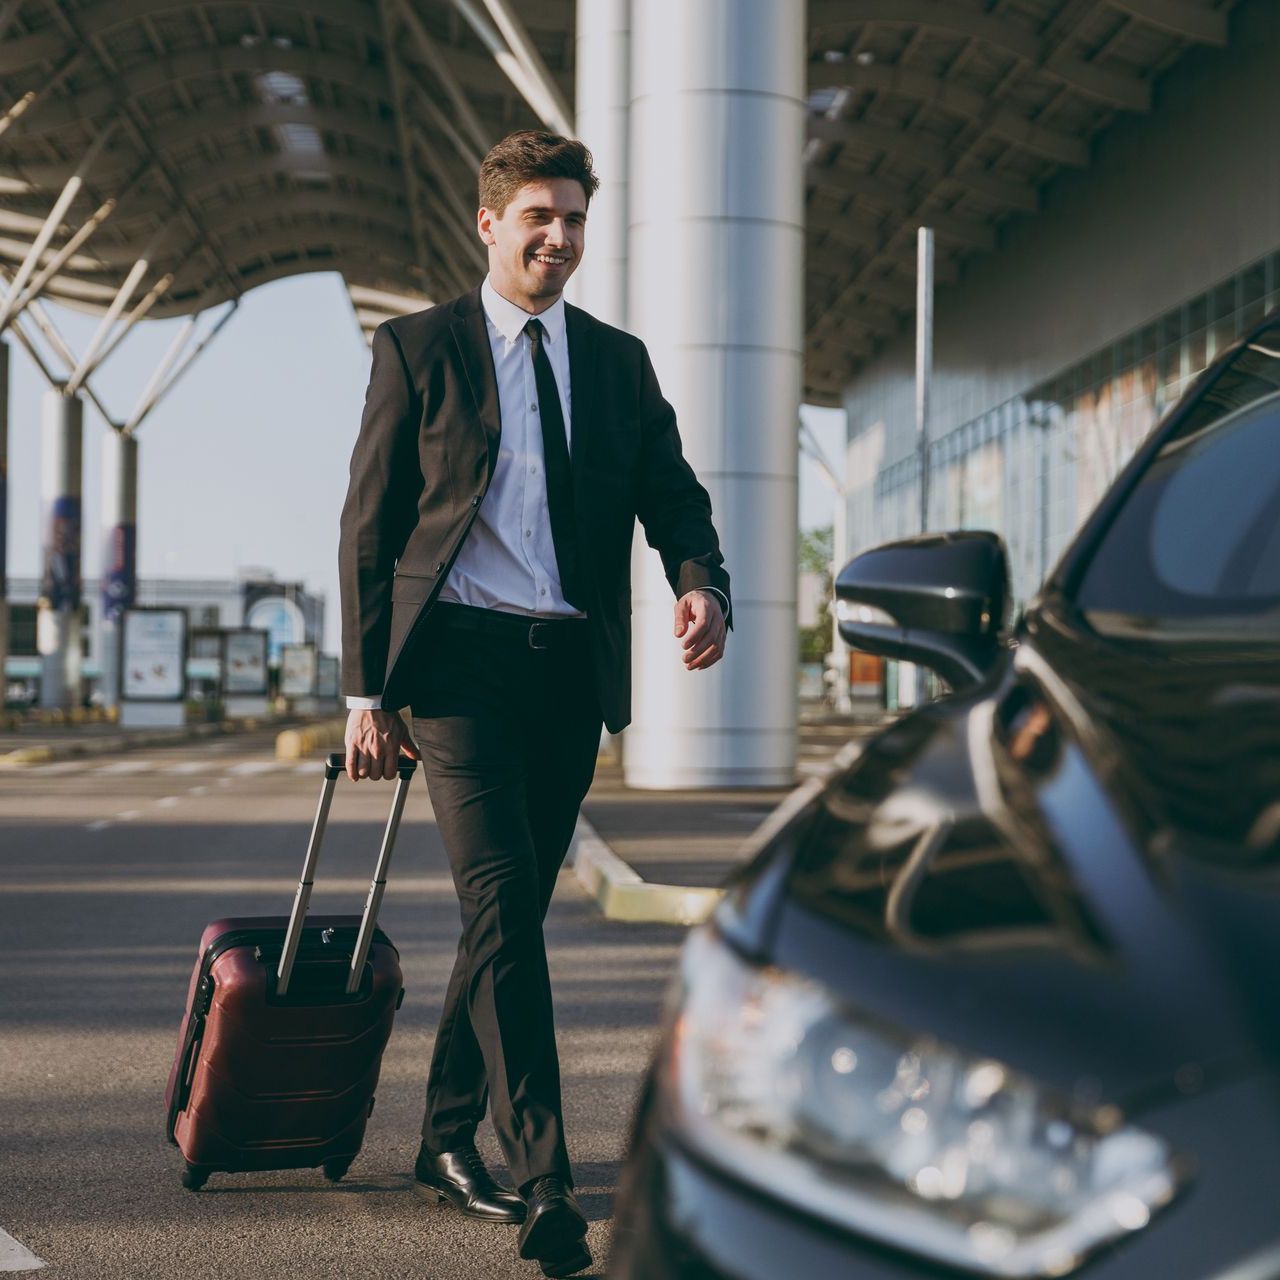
484	220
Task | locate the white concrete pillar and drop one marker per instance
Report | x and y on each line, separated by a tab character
58	630
715	289
4	517
119	551
602	101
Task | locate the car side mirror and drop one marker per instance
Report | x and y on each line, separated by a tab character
939	599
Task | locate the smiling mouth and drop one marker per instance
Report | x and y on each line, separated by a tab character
550	260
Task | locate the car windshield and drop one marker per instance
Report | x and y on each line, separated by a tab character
1194	552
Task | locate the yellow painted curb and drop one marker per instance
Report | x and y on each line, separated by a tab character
28	755
621	894
299	744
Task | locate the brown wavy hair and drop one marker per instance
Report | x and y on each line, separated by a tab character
526	156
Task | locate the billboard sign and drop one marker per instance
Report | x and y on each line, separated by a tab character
244	663
154	655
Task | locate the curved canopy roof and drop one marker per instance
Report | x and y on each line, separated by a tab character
220	144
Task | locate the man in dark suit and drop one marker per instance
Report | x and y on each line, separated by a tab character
508	444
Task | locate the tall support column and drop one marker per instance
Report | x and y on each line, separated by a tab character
603	100
58	631
716	242
119	551
4	517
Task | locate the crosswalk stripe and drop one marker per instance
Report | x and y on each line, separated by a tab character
63	766
187	766
256	766
124	766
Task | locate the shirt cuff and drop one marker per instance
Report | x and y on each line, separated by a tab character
355	703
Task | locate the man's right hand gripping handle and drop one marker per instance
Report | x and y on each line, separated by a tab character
375	741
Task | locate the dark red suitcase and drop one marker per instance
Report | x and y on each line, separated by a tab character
287	1018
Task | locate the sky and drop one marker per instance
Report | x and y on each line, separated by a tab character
244	463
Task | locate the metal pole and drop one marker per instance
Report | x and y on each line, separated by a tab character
4	517
119	552
924	361
53	221
58	619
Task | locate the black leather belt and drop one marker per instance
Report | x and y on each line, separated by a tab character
537	633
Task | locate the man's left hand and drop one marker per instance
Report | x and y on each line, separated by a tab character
700	621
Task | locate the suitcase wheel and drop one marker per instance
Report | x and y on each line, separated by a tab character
194	1177
335	1169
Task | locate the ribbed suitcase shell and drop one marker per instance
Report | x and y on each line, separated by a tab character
260	1082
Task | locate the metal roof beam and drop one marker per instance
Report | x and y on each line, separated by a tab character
1115	88
540	97
851	182
931	156
513	30
51	223
1004	123
962	232
1181	18
443	72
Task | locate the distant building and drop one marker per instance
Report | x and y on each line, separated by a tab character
286	610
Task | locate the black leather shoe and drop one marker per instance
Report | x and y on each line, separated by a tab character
460	1178
553	1232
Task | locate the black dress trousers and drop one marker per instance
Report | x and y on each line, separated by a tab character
509	735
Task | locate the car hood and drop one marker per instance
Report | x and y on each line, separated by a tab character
1074	868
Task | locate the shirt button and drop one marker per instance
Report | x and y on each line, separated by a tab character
528	533
533	471
542	591
533	408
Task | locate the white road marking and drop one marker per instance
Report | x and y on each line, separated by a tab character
307	769
100	825
125	766
256	766
128	815
186	766
197	791
15	1256
63	766
167	802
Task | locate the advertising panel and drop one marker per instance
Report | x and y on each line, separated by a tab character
298	670
327	678
153	655
244	663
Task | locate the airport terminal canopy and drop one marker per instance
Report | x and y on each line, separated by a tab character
163	156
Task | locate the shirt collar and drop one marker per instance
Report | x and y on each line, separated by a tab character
510	320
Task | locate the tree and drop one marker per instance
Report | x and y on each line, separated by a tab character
816	552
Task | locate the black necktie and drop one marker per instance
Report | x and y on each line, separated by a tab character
555	451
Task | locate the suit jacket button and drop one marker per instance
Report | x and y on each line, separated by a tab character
475	502
440	566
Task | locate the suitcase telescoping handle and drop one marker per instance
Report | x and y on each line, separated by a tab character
333	768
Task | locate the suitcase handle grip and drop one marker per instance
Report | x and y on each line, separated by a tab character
334	766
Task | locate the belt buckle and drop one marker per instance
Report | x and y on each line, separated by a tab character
533	628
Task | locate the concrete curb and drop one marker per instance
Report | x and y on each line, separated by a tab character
300	744
622	894
46	754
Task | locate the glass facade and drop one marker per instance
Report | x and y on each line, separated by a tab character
1033	467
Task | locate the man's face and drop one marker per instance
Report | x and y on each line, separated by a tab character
536	243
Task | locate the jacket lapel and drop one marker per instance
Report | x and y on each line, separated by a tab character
582	384
471	337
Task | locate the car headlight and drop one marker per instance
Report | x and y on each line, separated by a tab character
898	1137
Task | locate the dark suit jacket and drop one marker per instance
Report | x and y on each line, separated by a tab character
426	452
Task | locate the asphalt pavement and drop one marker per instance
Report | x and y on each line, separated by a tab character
108	872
